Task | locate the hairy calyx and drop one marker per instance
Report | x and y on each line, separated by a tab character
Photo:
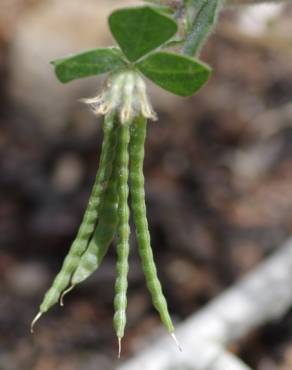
125	95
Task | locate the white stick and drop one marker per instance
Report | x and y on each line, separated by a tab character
211	357
263	295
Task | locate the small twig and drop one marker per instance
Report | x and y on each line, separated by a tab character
214	357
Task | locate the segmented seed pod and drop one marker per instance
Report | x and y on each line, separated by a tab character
88	224
138	135
104	232
121	285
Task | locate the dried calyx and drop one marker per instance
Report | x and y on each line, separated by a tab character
125	94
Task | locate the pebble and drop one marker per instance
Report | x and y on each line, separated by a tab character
27	279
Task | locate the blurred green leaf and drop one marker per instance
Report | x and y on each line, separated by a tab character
141	30
178	74
90	63
202	22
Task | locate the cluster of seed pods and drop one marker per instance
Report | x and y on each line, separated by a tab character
120	175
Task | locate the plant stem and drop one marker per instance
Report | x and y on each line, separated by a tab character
201	19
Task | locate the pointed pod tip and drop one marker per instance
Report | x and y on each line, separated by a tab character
120	347
65	293
176	342
34	321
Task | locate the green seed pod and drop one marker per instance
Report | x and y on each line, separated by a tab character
138	135
104	232
121	285
88	224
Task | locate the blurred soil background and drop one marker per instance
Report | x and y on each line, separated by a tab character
218	182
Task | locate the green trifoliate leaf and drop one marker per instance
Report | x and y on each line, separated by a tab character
141	30
89	63
178	74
